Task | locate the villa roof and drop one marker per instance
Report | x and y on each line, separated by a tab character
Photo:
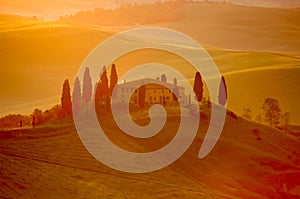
147	81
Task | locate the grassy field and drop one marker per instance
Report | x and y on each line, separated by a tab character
249	161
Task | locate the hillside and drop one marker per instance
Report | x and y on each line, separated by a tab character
262	3
130	14
249	161
49	9
45	52
225	26
241	28
36	55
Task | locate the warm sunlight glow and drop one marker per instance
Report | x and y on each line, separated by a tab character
209	111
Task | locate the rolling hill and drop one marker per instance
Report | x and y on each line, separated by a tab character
36	56
241	28
249	161
46	52
262	3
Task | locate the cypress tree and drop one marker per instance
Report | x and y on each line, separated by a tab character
87	87
104	90
113	78
76	96
198	87
163	78
222	92
175	90
66	99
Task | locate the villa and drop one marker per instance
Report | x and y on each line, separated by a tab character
153	92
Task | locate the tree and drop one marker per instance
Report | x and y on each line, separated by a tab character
87	86
37	117
259	118
95	88
175	90
13	120
104	90
54	113
33	121
98	97
223	92
113	78
76	96
286	117
163	78
271	111
66	103
247	114
175	81
198	87
98	94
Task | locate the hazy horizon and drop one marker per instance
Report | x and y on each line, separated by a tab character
54	9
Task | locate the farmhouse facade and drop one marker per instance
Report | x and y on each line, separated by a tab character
152	92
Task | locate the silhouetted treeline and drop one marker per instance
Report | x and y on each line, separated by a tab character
13	121
38	117
131	14
104	90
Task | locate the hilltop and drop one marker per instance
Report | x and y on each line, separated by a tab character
249	161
